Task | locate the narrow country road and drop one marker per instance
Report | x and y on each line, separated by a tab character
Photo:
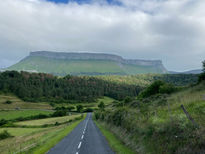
86	138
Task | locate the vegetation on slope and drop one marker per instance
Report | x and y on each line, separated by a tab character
80	67
16	103
45	87
156	122
145	80
116	145
48	121
13	114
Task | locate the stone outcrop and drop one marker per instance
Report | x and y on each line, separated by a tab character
96	56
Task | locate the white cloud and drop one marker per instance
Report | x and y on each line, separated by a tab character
170	30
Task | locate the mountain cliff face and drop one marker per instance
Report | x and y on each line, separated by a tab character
94	56
62	63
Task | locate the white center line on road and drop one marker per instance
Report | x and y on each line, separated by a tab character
82	136
79	145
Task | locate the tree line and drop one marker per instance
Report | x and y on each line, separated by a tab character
45	87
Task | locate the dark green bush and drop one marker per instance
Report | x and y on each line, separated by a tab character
3	122
8	102
88	110
4	135
79	108
101	106
157	87
59	113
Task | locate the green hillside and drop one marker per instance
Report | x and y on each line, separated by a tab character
157	124
80	67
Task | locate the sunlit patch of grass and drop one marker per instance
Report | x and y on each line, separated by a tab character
30	140
13	114
18	103
48	120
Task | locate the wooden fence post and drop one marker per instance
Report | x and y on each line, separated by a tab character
189	116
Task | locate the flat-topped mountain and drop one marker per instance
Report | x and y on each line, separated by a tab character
62	63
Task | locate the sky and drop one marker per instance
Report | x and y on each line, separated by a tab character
169	30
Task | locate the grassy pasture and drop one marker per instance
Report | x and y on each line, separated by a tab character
35	140
48	120
93	105
63	67
13	114
18	103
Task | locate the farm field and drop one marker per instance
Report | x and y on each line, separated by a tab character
93	105
18	103
29	140
48	120
13	114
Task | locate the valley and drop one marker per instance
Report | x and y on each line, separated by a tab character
129	112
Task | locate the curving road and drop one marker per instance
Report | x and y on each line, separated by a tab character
86	138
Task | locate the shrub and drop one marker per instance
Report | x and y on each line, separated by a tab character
70	108
127	99
56	124
88	110
118	116
79	108
158	87
8	102
59	113
4	135
201	77
3	122
101	106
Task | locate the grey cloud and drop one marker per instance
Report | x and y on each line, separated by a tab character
170	30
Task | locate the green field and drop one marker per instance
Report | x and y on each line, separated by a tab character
47	121
94	105
77	67
36	140
13	114
18	103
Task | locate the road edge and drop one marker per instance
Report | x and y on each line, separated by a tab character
48	145
116	145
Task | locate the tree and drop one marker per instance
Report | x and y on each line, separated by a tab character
79	108
70	108
203	69
202	75
101	106
127	99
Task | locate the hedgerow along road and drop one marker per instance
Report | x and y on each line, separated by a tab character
86	138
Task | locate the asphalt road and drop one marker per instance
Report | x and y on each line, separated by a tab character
86	138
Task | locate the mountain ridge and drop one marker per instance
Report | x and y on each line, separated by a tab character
93	56
62	63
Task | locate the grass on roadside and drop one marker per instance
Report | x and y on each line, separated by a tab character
113	141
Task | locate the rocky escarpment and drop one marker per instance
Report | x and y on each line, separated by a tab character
96	56
62	63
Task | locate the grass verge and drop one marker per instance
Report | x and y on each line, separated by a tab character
113	141
54	139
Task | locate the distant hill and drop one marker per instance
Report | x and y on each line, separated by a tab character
197	71
61	63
